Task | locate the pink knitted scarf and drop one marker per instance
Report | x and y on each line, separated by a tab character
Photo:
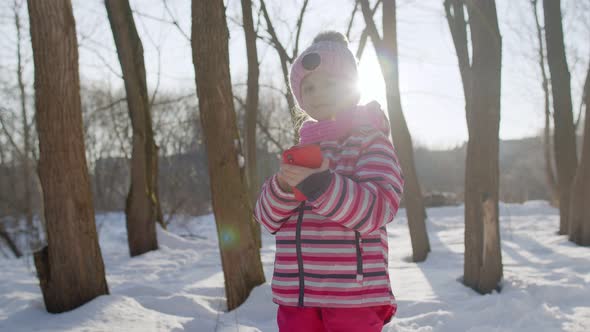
317	131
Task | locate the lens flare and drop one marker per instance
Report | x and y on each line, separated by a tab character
228	237
371	84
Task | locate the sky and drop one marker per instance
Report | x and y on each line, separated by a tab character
431	90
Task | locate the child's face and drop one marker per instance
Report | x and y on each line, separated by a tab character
323	95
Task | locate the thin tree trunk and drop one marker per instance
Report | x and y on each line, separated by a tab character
552	184
387	53
13	247
483	257
251	109
142	208
579	231
564	134
26	168
240	255
70	268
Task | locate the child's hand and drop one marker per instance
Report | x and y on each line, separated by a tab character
293	175
283	183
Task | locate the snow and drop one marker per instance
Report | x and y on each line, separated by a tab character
180	287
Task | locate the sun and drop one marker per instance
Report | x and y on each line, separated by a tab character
371	84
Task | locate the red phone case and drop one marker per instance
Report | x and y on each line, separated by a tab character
309	156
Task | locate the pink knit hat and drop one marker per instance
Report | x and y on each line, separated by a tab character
328	53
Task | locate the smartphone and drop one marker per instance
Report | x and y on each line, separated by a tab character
309	155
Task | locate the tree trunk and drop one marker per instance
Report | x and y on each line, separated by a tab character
552	184
579	231
142	208
70	268
387	53
564	135
251	109
9	242
25	156
483	256
240	254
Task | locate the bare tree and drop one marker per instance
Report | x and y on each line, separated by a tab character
251	107
26	126
481	86
579	226
70	268
564	135
240	255
549	173
286	58
387	53
142	208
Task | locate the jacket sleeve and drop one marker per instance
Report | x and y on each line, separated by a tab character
370	199
274	206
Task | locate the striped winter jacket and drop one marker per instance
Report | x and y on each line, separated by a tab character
332	250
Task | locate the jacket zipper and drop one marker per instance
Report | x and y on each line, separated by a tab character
359	258
298	250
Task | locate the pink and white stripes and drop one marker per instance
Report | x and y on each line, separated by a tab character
332	249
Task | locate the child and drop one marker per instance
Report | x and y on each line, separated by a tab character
330	271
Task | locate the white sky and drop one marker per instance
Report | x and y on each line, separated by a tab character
431	89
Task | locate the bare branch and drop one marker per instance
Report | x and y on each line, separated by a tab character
285	59
159	51
299	26
262	85
7	132
110	105
175	21
365	34
235	21
102	59
354	10
175	100
271	31
370	24
269	135
159	76
174	209
161	20
151	17
263	127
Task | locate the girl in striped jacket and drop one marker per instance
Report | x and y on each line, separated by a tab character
331	264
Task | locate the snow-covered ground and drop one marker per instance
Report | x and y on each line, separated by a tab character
180	287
